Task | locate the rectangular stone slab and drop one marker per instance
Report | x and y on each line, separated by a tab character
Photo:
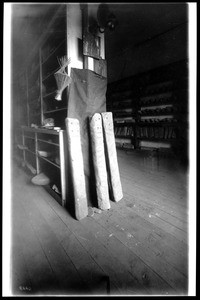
99	162
77	170
113	169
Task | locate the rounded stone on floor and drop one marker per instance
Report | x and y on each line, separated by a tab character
40	179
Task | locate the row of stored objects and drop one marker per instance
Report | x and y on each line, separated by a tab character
157	101
143	91
164	132
177	84
128	120
146	120
158	95
133	102
120	104
124	131
120	95
123	114
52	156
126	146
157	111
157	121
157	90
143	101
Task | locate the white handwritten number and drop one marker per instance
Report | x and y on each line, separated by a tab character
24	288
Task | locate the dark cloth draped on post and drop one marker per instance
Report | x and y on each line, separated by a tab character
87	96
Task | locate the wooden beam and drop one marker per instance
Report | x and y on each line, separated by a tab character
77	168
99	162
115	182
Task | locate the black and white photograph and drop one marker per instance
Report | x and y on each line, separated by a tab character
99	149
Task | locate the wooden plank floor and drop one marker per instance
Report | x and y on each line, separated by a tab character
138	247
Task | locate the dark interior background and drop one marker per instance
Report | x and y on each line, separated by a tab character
147	35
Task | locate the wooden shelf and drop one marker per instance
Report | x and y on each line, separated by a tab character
29	137
173	90
124	136
156	104
54	110
157	95
50	74
156	139
51	143
33	101
55	195
123	109
40	130
125	122
53	51
159	124
35	114
156	114
30	151
41	87
48	160
46	95
40	136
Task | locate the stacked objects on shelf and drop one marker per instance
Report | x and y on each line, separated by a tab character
44	155
158	102
41	85
157	116
124	114
49	66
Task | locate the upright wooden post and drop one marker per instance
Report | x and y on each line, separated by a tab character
84	8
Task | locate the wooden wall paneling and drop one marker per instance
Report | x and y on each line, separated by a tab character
74	36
